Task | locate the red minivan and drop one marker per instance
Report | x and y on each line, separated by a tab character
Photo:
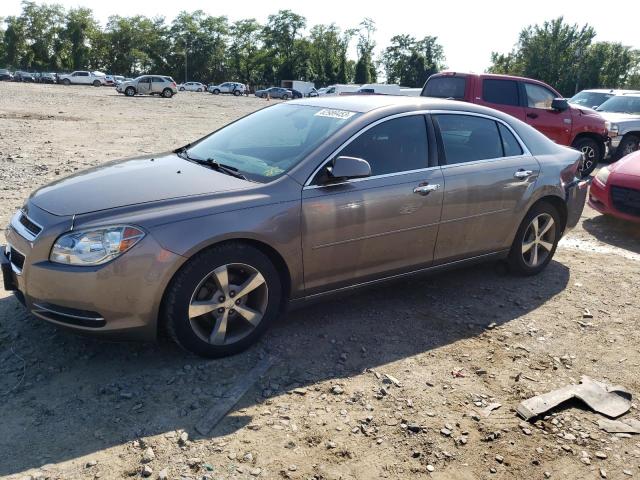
531	101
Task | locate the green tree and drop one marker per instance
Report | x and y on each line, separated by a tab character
365	71
80	33
279	38
410	62
245	44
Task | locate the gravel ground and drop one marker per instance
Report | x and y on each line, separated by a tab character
386	383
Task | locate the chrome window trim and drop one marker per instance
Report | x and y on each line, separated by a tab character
21	229
309	186
356	135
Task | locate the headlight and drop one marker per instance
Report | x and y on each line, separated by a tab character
94	247
603	175
612	128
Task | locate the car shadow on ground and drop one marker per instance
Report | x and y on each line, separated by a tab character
614	231
64	396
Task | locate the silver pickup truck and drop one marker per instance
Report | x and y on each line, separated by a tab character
83	77
622	114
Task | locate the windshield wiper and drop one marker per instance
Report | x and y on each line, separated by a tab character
211	163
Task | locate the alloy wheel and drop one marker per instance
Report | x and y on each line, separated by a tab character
588	158
538	240
629	148
228	304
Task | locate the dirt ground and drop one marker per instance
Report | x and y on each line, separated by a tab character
386	383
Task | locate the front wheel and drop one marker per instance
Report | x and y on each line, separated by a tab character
200	90
130	91
182	89
285	97
629	144
167	93
222	300
236	93
591	154
536	240
96	83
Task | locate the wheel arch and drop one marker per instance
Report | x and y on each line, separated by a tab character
273	255
592	136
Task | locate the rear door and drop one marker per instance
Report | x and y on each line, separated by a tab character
157	84
501	94
144	85
368	228
81	78
488	173
554	124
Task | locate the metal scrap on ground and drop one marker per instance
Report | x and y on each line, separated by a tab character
609	400
629	425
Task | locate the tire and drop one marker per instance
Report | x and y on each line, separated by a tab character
130	91
236	93
167	93
199	90
629	144
182	89
96	83
198	282
285	97
216	91
592	152
523	262
66	81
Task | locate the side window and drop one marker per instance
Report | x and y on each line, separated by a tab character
84	74
511	146
331	90
157	80
503	92
467	138
538	96
396	145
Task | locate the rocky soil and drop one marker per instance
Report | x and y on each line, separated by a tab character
393	382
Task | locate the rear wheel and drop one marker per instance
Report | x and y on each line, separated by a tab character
536	240
629	144
130	91
222	300
66	82
182	89
591	153
200	90
285	97
167	93
216	91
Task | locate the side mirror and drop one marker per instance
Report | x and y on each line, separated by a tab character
345	168
559	104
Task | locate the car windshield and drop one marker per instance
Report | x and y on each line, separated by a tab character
267	143
590	99
621	104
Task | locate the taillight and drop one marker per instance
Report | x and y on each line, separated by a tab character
173	84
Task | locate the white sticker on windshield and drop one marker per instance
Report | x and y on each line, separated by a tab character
332	113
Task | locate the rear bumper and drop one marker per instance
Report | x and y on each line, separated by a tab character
575	195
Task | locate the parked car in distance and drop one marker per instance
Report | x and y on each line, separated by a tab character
119	79
82	77
339	89
595	97
233	88
615	190
192	87
313	93
275	92
622	114
46	77
20	76
5	75
530	101
303	87
212	241
149	85
296	93
109	81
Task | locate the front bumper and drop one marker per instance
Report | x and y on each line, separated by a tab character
120	299
600	200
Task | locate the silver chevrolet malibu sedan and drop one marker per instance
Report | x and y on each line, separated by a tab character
211	242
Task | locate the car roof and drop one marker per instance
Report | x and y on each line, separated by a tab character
615	91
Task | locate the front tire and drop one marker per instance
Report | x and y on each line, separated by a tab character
96	83
629	144
536	240
285	97
236	93
222	300
130	91
592	153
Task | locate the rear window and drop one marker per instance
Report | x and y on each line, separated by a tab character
445	87
502	92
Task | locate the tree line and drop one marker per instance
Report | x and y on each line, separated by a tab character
200	47
567	57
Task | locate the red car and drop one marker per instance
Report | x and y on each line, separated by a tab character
616	189
531	101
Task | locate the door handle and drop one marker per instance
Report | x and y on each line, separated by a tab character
523	174
532	115
426	189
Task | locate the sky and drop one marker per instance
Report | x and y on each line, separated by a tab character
468	30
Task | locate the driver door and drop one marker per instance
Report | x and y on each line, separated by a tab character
554	124
144	86
362	229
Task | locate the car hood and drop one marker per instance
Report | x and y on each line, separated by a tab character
629	165
615	117
130	182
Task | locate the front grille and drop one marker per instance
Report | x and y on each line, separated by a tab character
31	226
626	200
16	258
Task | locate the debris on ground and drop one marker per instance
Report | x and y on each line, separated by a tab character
609	400
629	425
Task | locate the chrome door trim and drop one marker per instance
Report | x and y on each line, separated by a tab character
364	179
308	185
